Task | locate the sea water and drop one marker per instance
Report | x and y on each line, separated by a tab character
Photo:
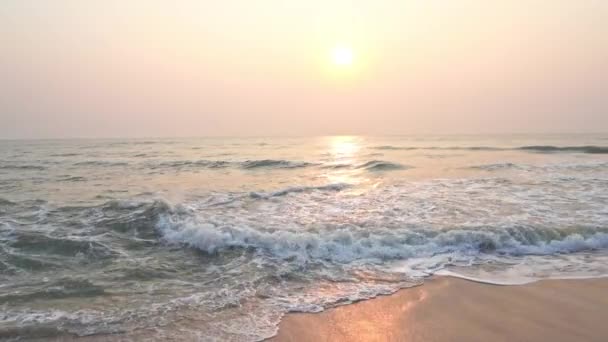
217	238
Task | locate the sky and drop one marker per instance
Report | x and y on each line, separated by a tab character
144	68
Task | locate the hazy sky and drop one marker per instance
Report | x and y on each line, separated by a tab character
116	68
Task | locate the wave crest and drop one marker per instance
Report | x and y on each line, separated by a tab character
271	163
298	189
348	244
380	165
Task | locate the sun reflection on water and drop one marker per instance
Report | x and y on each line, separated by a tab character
344	147
345	154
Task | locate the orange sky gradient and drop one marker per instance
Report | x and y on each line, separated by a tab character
73	68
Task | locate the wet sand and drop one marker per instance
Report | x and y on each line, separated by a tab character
451	309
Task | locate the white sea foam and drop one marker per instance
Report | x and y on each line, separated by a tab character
490	230
318	224
355	243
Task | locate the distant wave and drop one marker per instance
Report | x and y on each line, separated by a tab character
72	179
146	142
389	147
22	167
499	166
336	166
210	164
586	166
372	165
540	148
379	165
101	163
219	164
580	149
65	155
441	148
271	163
297	189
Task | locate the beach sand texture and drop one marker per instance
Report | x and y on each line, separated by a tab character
451	309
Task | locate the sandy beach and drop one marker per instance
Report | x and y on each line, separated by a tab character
451	309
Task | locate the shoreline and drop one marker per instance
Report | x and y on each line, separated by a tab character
447	308
444	308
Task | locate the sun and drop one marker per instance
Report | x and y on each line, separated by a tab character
342	55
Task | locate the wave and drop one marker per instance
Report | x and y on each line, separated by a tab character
580	149
499	166
220	164
298	189
96	233
133	217
211	164
372	165
591	149
389	147
65	155
336	166
101	163
5	202
36	243
271	163
14	263
446	148
593	166
379	165
22	167
305	250
345	245
72	179
144	142
61	288
33	332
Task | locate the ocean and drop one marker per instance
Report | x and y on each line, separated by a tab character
217	238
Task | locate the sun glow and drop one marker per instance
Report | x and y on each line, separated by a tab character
344	147
342	56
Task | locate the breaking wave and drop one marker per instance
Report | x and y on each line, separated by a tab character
345	245
321	242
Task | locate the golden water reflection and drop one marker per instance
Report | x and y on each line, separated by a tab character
344	153
344	147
